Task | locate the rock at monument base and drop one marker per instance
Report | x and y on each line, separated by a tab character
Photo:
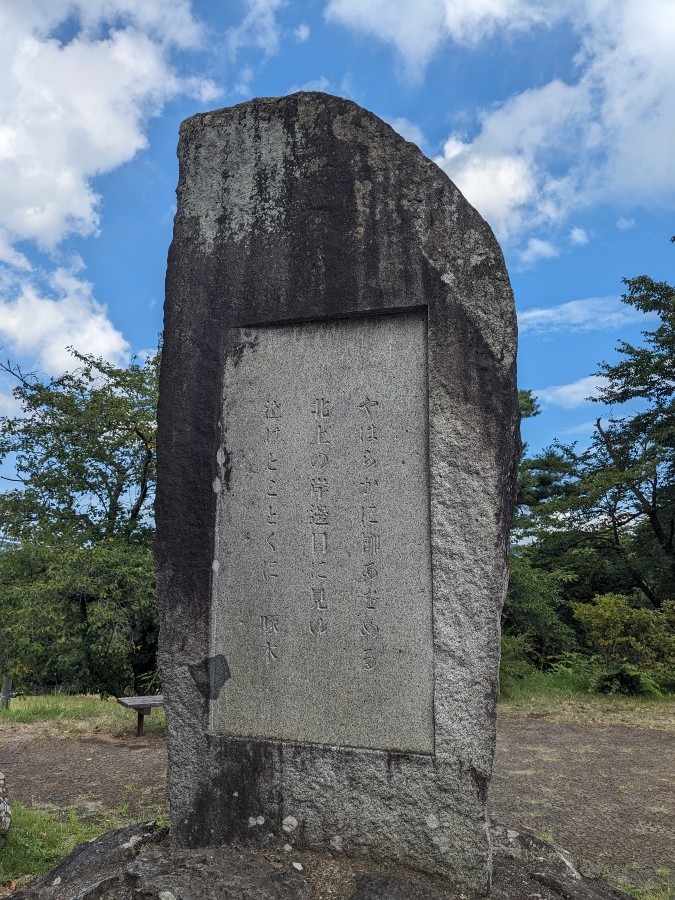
5	810
521	858
95	868
337	457
137	862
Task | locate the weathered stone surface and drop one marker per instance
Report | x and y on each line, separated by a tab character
94	868
330	638
548	864
219	875
5	810
381	887
308	209
109	869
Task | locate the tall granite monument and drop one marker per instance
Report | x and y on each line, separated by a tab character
337	450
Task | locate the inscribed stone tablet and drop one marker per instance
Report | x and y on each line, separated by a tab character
322	595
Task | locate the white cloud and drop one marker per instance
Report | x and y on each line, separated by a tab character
301	32
316	84
73	109
537	249
167	21
499	186
9	255
243	85
546	152
39	321
569	396
417	28
579	237
407	129
9	405
624	224
590	314
259	28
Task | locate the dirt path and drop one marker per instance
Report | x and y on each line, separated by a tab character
606	793
99	776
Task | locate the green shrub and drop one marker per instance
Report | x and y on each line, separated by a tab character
515	664
79	619
625	679
633	647
532	611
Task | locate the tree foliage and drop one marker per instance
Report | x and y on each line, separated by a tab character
594	531
77	606
617	496
83	450
593	560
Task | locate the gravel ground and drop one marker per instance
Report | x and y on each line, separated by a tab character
604	792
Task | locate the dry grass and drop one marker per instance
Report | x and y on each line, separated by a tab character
593	709
72	716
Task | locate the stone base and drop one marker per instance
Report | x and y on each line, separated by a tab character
137	862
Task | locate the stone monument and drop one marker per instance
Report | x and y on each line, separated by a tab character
337	452
5	810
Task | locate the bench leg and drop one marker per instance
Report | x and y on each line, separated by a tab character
140	726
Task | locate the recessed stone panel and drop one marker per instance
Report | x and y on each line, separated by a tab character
322	597
337	456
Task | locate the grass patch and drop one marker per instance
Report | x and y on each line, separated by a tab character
661	887
37	841
558	697
78	714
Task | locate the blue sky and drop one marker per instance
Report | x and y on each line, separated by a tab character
555	119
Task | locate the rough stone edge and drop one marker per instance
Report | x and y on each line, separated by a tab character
99	868
551	865
89	859
467	274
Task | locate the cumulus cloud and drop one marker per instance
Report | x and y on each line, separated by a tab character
540	155
9	405
579	237
569	396
39	319
537	249
73	108
417	28
605	136
316	84
301	32
500	186
590	314
625	224
407	129
167	22
259	28
9	255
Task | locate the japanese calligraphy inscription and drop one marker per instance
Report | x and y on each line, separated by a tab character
322	593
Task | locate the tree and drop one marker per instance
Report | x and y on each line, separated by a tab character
83	452
77	576
529	408
616	498
638	449
533	622
593	540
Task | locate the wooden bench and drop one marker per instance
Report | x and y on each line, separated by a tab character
143	706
